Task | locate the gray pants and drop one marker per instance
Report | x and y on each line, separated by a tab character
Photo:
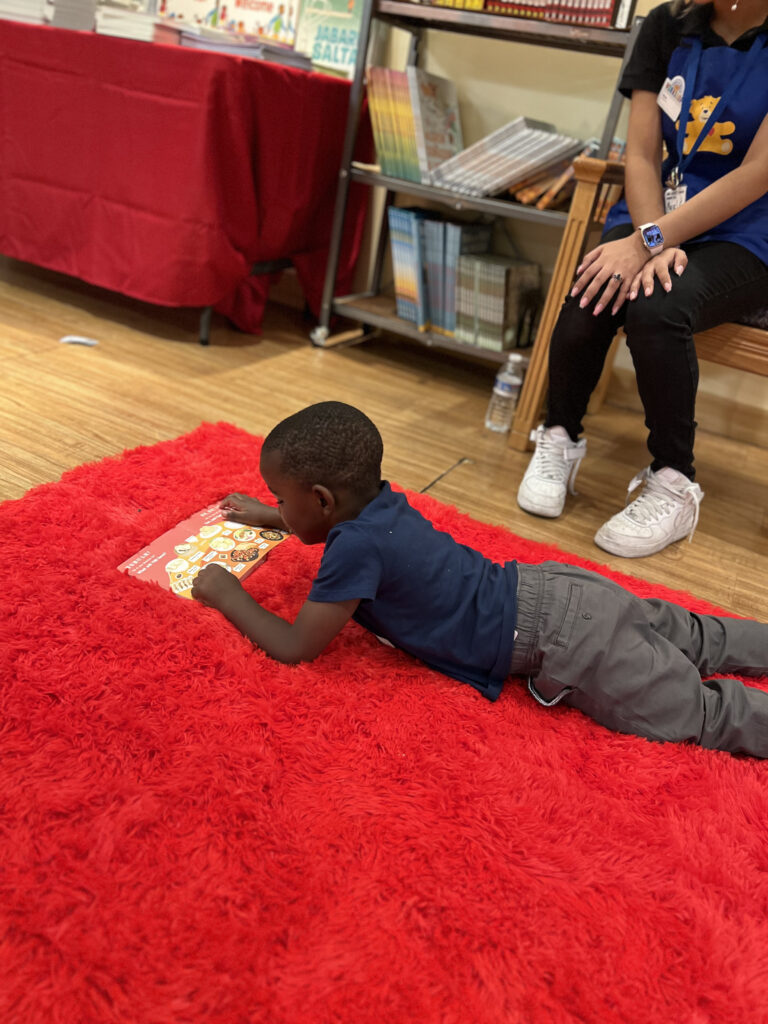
636	665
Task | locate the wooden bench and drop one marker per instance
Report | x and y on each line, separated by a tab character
743	346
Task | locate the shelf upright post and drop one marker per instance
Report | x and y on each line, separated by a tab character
320	333
617	102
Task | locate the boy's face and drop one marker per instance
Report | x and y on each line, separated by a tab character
303	508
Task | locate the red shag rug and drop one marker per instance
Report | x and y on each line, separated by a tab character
194	834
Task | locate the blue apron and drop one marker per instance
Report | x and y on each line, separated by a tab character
709	74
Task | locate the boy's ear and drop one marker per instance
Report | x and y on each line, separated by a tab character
325	499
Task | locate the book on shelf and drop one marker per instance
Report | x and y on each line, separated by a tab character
415	121
528	189
437	122
519	148
402	263
464	5
434	256
531	188
460	239
594	13
417	132
447	281
405	125
554	190
498	299
329	31
381	123
624	13
408	246
175	557
425	251
392	123
536	177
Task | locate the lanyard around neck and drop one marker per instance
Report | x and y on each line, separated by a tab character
691	71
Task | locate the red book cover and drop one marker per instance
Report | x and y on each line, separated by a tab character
176	556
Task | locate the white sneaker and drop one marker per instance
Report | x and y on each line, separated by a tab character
551	471
666	511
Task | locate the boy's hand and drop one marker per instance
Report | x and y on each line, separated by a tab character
242	509
290	642
213	585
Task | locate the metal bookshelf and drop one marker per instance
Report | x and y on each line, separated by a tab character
373	312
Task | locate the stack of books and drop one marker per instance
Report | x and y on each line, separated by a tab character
125	22
415	119
446	242
596	13
551	187
514	151
32	11
418	136
407	245
255	47
74	14
465	5
498	300
447	282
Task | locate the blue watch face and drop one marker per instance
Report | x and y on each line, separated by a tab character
653	236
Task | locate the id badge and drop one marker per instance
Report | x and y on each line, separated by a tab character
674	197
670	97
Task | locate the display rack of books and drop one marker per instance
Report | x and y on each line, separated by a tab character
450	290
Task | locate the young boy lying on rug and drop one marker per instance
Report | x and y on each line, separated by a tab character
633	665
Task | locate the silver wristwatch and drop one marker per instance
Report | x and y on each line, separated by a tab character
652	237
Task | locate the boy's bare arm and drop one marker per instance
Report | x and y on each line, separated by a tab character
290	642
242	509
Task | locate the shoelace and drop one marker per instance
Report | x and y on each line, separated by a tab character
657	500
553	460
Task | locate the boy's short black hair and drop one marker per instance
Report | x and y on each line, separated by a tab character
329	443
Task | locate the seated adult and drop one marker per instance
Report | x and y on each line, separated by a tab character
684	250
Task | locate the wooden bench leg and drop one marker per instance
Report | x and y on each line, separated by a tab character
529	407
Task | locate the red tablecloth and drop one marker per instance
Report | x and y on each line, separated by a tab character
165	173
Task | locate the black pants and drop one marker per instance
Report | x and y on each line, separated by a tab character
723	281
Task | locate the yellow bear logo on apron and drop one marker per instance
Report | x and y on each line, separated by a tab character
698	120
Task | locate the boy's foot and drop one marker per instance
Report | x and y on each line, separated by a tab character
551	471
666	511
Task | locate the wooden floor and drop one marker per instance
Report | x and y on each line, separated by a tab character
148	379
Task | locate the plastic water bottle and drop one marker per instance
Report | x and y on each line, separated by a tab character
506	391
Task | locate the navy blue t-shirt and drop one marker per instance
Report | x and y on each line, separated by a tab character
662	50
422	591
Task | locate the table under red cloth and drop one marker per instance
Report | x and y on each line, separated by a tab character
165	173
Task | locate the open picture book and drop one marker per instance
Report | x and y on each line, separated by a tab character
175	557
